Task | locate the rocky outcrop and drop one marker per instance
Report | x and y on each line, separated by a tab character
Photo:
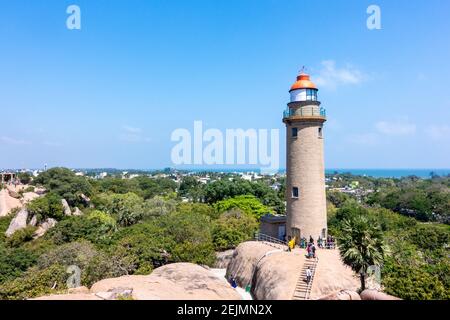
370	294
14	194
273	274
115	293
223	259
19	222
8	203
276	276
86	200
178	281
66	209
29	196
332	275
44	227
77	212
342	295
33	221
243	262
76	290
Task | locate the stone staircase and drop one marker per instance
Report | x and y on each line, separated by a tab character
303	289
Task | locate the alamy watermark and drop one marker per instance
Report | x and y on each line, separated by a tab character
73	22
374	19
256	147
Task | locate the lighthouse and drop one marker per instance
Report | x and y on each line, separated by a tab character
305	170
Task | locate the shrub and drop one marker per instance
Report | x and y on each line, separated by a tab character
96	228
94	264
14	262
49	206
412	283
21	236
35	283
232	228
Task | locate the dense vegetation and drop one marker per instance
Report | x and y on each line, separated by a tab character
131	226
415	262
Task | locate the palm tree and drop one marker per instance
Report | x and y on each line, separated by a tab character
361	245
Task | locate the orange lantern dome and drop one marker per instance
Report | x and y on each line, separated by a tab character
303	82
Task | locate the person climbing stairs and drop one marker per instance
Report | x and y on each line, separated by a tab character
305	281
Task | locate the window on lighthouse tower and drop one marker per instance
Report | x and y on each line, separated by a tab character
294	192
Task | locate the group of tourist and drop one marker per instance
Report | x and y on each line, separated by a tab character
322	243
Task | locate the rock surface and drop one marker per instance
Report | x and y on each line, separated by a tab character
14	194
44	227
33	221
243	262
19	222
342	295
7	203
77	212
273	274
177	281
66	207
370	294
223	259
29	196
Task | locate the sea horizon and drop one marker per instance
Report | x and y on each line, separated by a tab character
370	172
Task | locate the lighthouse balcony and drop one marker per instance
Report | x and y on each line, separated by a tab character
307	113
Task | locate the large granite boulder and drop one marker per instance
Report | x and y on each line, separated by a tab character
8	203
77	212
66	207
18	222
342	295
223	259
29	196
14	194
243	261
33	221
85	199
370	294
273	274
177	281
44	227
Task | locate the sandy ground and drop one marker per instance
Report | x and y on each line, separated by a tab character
220	273
7	203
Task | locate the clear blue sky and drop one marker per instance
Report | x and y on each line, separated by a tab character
110	94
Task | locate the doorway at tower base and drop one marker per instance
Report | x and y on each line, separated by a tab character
274	276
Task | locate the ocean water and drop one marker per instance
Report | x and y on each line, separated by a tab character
392	173
376	173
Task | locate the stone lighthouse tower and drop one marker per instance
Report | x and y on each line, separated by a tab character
305	176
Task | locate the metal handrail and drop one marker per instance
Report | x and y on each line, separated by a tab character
304	112
264	237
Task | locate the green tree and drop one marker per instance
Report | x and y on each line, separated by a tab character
48	206
361	245
248	204
232	228
66	184
24	177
